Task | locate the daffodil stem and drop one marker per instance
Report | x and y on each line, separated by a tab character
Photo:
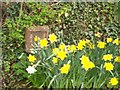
112	73
37	64
44	82
53	80
40	61
50	57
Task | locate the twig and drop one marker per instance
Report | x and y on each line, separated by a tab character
54	4
21	5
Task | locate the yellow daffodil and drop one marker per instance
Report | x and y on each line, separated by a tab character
55	51
72	48
80	47
31	58
61	54
117	59
65	69
55	60
82	42
91	45
62	46
108	66
43	43
88	65
101	44
109	40
91	65
87	41
68	48
84	59
113	81
116	41
98	34
52	38
36	38
107	57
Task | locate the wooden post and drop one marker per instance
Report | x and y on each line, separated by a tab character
30	33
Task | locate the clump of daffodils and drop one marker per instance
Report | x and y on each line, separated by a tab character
86	63
62	56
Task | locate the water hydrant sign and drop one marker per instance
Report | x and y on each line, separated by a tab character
30	33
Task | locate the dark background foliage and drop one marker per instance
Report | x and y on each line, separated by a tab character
73	20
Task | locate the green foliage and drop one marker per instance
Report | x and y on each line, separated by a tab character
73	20
14	26
85	19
